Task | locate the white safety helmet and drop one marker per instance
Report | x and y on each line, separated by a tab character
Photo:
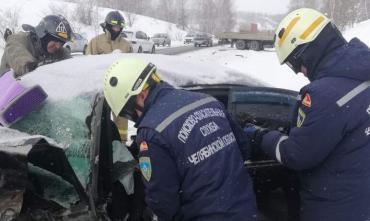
124	80
298	28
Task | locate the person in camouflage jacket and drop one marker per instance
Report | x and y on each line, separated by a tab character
25	51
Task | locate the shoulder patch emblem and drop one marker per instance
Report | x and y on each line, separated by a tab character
145	167
61	30
307	100
61	27
301	117
143	146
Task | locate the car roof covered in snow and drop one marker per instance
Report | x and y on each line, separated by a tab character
84	74
82	77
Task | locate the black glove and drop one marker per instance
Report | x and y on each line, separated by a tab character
134	148
30	66
255	134
148	214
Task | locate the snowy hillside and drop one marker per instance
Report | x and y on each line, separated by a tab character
361	31
31	12
261	65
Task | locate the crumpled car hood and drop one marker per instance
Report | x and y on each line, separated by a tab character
24	157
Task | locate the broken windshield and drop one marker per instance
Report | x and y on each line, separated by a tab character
64	122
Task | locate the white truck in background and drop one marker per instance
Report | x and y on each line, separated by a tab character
248	37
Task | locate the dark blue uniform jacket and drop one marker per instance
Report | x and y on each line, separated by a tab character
190	160
330	145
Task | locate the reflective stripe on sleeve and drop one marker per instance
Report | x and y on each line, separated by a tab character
353	93
182	111
277	150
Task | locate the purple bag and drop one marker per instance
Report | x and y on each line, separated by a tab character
16	101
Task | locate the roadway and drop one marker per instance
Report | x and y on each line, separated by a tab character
177	49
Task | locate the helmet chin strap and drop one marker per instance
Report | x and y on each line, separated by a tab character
113	34
139	108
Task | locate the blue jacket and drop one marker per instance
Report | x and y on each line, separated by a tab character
189	157
330	143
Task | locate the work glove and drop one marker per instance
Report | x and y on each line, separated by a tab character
148	215
30	66
255	134
134	147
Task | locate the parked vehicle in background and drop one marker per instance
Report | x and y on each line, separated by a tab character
189	38
248	37
140	41
203	39
161	39
78	43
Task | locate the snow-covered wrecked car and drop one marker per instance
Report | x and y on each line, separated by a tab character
63	161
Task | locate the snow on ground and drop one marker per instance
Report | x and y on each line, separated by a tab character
360	30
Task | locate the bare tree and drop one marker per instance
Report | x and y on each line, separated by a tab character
9	18
86	11
343	13
363	12
56	10
295	4
60	9
132	8
206	15
175	11
214	16
366	8
166	10
131	17
225	16
182	14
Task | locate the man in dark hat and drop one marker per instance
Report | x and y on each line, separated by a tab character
24	51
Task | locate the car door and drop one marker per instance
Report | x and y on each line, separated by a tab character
276	186
147	42
113	162
72	44
268	104
273	109
78	43
144	40
139	39
131	36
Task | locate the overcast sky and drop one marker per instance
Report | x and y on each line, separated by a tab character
263	6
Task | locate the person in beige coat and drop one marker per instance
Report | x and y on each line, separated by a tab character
25	51
111	40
